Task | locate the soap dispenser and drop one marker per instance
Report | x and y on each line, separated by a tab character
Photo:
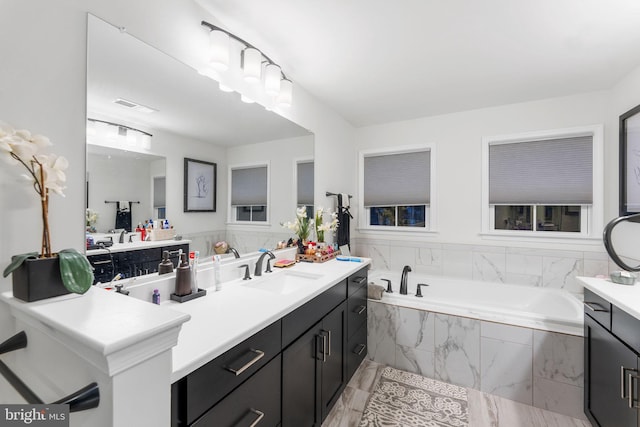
166	266
183	277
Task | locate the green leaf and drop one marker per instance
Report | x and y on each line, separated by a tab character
16	261
75	270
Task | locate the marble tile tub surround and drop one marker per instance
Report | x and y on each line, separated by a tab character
538	368
505	264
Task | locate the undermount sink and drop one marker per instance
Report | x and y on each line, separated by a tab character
283	283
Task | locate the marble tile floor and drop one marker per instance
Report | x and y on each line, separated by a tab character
485	410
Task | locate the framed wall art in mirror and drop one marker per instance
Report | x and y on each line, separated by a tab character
630	162
199	186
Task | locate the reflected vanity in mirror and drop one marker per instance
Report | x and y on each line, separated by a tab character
183	115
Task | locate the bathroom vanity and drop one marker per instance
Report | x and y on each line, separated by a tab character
611	353
133	259
279	348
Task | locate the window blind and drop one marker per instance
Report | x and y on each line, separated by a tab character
552	172
397	179
305	183
249	186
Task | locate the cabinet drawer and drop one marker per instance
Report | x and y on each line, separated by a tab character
301	319
256	402
357	310
357	280
356	350
206	386
626	327
597	308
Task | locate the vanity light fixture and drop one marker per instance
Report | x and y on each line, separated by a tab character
255	67
125	135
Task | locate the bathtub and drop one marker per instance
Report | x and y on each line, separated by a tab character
554	310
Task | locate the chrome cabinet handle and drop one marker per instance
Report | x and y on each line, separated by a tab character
259	355
324	348
359	279
594	306
632	399
108	261
362	347
260	415
361	309
623	379
327	337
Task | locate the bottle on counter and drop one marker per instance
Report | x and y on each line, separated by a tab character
216	272
183	277
155	298
165	266
193	261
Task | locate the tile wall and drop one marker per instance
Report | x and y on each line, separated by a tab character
538	368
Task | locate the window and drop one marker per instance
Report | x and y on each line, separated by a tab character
396	189
543	184
249	194
305	186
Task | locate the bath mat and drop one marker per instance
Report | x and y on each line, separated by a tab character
403	399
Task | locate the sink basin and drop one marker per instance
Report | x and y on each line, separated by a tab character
284	283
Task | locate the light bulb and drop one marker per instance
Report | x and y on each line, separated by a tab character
286	93
272	75
219	50
251	64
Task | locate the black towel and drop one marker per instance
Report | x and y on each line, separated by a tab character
123	217
344	216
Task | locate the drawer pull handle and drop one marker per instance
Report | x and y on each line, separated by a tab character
260	415
594	306
108	261
632	400
362	347
259	355
324	348
359	279
361	309
327	347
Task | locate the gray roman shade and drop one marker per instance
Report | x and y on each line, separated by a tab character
397	179
549	172
249	186
159	192
305	183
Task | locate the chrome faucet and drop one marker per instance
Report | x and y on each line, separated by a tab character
258	271
403	280
234	252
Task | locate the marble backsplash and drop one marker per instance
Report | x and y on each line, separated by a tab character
539	368
505	264
243	241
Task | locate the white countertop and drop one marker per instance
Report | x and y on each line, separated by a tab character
134	246
222	319
625	297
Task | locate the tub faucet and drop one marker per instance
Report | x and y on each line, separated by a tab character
234	252
403	280
258	271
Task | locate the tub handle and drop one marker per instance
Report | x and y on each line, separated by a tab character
594	306
419	290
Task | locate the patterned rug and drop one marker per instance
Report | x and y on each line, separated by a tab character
404	399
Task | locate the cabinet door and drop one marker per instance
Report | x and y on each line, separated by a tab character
301	380
334	360
608	363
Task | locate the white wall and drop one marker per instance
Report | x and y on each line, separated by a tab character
457	138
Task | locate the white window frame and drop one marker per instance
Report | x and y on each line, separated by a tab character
231	210
592	216
296	161
430	211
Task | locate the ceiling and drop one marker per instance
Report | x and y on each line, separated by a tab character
377	61
121	66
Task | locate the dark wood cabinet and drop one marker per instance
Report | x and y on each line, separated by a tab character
132	263
314	356
611	366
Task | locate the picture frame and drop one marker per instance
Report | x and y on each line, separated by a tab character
200	185
630	162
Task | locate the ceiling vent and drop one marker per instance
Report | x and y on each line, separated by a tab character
135	106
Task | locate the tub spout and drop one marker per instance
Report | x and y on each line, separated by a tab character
403	280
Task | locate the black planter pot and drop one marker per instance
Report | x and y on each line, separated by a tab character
38	279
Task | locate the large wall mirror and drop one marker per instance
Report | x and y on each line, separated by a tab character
147	111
